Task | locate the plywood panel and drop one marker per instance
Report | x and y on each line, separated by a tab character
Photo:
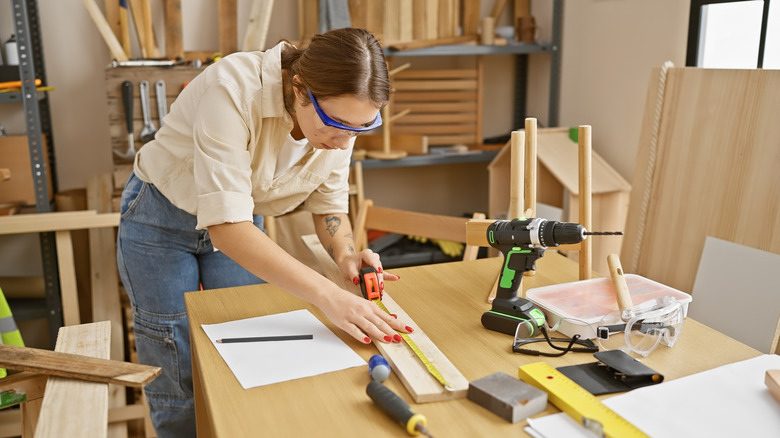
715	163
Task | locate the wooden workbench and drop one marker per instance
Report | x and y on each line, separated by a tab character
446	301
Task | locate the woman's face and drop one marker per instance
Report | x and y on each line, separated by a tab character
347	110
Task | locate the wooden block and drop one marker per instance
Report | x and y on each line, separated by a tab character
421	385
772	382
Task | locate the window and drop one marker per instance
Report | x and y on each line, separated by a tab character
734	34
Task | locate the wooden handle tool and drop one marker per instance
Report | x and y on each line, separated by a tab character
619	283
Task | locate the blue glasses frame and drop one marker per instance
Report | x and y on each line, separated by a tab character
327	121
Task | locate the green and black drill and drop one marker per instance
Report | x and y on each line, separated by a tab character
522	241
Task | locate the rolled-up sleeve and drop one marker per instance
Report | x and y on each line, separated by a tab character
222	168
332	196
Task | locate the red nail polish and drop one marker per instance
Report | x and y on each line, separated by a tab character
367	340
394	315
388	338
356	281
381	284
397	338
409	329
379	269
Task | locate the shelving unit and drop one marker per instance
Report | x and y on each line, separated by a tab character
521	50
38	130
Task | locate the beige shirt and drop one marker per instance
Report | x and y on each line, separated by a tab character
216	154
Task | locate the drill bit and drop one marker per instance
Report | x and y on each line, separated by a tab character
603	233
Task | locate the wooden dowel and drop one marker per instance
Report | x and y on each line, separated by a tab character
586	252
517	167
530	166
622	293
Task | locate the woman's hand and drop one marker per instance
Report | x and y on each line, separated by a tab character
352	264
362	319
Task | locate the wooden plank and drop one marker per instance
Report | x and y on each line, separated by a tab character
375	19
67	270
60	416
405	20
432	130
438	107
413	119
412	373
76	366
174	46
715	170
56	221
106	302
392	27
439	140
436	74
433	226
443	84
308	20
228	25
410	143
440	41
257	29
431	19
471	17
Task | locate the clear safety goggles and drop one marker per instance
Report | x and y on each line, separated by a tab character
641	328
325	124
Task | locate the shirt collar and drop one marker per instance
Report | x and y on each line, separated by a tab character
273	93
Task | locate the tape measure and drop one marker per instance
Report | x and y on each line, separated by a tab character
417	352
369	286
577	402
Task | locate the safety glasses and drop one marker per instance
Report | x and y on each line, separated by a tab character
326	124
643	327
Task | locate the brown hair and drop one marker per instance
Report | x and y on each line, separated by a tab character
346	61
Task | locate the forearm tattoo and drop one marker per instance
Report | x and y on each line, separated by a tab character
332	224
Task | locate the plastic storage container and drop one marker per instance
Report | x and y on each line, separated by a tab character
582	304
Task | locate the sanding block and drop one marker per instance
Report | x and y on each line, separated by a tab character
508	397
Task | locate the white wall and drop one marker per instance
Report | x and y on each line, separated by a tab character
609	48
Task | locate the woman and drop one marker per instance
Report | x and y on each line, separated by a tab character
257	133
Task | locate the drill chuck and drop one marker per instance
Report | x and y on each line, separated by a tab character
535	233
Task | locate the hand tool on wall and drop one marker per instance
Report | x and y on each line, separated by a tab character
127	102
522	241
147	133
162	100
397	409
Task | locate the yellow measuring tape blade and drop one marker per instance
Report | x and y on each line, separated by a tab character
576	401
417	352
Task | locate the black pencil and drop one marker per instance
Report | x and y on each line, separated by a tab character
265	339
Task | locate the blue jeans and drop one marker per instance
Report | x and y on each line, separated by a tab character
160	256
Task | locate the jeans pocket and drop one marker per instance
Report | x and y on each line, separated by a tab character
155	345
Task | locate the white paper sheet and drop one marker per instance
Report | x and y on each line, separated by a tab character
263	363
731	400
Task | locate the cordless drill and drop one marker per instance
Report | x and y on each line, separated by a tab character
522	241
